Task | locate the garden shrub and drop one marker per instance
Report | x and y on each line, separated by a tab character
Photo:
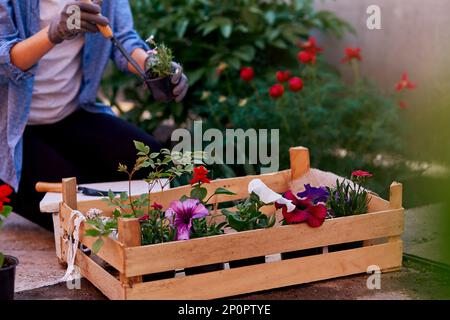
345	125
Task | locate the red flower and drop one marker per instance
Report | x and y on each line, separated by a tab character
283	76
310	46
276	91
157	206
352	53
296	84
405	83
305	211
5	192
247	74
361	173
145	217
200	175
403	105
306	57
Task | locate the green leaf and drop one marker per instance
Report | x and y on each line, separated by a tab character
116	213
98	244
270	17
92	233
224	191
226	29
142	148
2	259
199	193
181	27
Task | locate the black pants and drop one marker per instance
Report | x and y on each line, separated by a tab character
84	145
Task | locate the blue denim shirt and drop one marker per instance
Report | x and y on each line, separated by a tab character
19	19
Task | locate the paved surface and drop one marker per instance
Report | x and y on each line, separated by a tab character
414	281
38	270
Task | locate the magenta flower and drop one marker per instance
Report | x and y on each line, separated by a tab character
181	214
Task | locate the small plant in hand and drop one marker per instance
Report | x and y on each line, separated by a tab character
5	211
159	70
349	197
159	61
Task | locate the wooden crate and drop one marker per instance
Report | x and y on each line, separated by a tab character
380	229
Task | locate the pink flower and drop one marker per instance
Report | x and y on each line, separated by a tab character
157	206
181	213
145	217
361	174
313	214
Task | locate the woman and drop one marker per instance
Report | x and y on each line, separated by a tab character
50	70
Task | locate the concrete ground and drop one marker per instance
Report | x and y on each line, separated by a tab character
39	272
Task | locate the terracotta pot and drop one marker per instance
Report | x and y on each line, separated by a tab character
204	269
161	88
247	262
159	276
300	253
7	278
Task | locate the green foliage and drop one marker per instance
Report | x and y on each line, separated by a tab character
202	228
206	34
164	167
159	63
248	215
156	229
347	198
3	215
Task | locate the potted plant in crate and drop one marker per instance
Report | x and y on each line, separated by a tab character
159	69
349	198
204	225
8	264
248	216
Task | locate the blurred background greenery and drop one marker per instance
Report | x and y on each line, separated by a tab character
347	124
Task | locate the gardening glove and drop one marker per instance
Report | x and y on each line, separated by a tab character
64	26
180	80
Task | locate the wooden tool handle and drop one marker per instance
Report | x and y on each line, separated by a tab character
106	31
48	187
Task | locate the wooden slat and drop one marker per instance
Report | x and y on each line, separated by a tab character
130	236
378	204
69	192
300	163
271	275
396	195
105	282
111	251
181	254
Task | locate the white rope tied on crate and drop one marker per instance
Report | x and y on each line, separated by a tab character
74	240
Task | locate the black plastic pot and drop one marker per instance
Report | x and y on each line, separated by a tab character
345	246
159	276
161	88
247	262
204	269
300	253
7	278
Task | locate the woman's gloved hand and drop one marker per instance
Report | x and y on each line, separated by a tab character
64	26
180	80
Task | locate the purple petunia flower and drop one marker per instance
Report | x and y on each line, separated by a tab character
315	195
181	214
